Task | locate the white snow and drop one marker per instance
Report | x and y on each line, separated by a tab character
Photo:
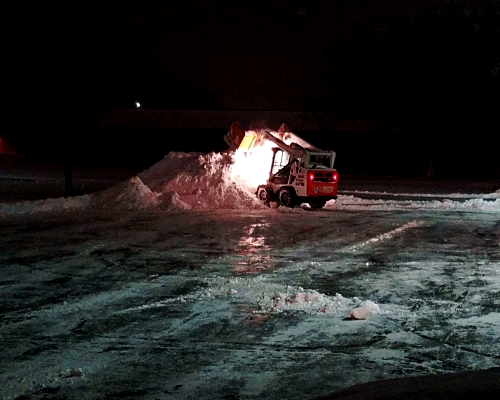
181	181
131	194
49	205
200	181
268	297
352	203
493	195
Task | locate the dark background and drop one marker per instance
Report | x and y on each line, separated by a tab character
414	81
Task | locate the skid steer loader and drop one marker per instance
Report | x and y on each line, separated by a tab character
299	172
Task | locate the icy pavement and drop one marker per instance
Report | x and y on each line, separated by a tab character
242	304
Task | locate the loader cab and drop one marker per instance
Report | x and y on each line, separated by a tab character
280	160
280	167
320	160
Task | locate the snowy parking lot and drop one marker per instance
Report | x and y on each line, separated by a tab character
162	299
158	304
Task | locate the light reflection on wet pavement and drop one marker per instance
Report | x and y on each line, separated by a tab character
254	250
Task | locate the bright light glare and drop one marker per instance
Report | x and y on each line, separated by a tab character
137	104
252	166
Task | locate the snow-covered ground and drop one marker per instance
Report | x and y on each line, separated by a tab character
177	283
196	181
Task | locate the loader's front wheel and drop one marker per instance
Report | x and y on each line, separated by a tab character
286	197
263	195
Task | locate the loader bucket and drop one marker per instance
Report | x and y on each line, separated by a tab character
238	139
251	140
284	129
235	136
284	132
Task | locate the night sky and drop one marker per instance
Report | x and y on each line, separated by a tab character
427	69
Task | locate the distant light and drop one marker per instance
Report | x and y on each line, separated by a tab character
137	104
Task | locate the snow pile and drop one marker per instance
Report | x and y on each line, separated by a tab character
181	181
131	194
172	201
198	181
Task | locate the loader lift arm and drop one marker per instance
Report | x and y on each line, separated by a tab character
296	151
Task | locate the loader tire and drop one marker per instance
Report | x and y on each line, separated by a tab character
317	204
264	195
286	198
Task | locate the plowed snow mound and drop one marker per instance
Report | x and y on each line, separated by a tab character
131	194
197	181
181	181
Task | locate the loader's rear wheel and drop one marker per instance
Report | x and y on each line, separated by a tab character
286	197
316	204
263	195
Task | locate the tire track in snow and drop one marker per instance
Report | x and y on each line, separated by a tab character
384	236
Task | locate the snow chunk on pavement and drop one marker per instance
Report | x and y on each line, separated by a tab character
360	313
367	308
301	297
